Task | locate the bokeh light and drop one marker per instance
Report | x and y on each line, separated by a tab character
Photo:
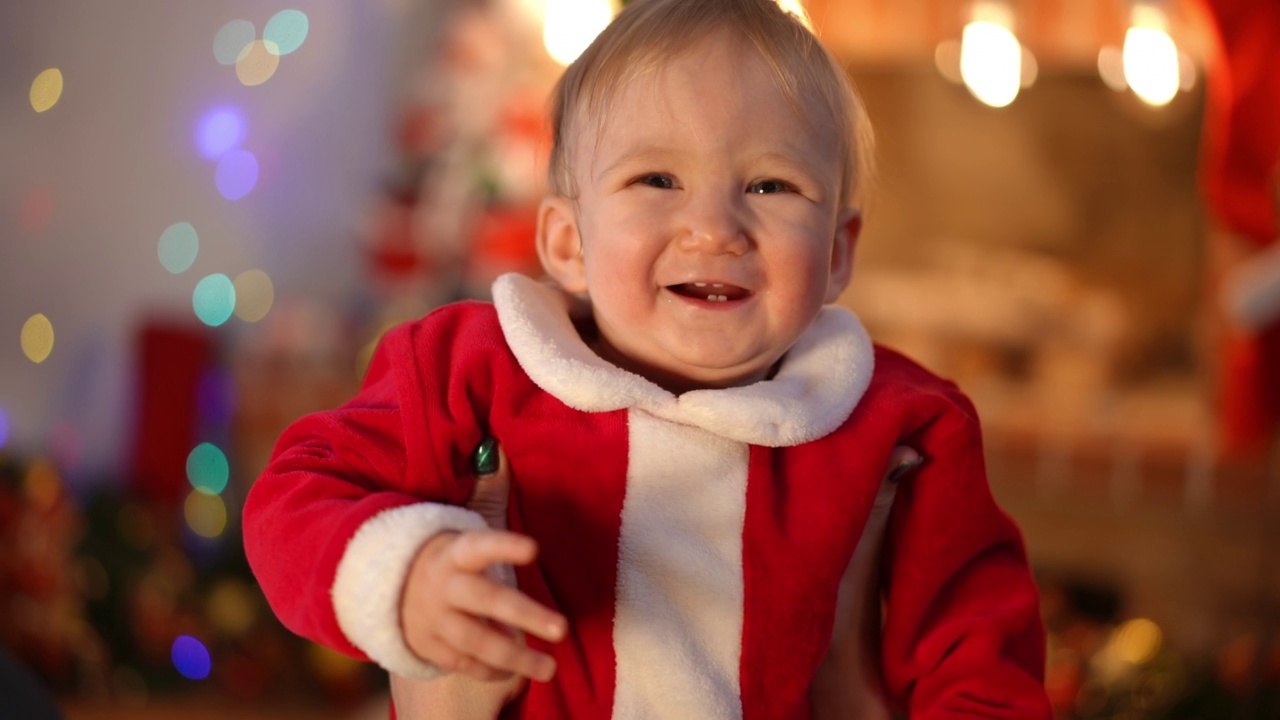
237	174
37	210
254	295
207	469
215	397
179	244
214	299
331	664
991	62
220	130
4	428
191	658
570	26
41	485
1138	640
46	89
232	39
257	63
37	338
206	514
286	30
232	607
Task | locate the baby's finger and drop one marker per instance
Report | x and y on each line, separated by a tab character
495	650
482	597
474	551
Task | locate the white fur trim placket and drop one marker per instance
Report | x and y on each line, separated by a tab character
677	632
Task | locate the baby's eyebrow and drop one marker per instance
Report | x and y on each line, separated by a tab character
645	153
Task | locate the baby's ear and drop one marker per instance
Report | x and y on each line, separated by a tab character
560	245
848	228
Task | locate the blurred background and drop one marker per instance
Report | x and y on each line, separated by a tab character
211	211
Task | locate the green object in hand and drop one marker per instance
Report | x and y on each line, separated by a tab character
485	458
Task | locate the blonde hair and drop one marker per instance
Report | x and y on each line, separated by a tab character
647	32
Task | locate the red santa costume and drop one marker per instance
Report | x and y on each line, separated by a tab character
695	543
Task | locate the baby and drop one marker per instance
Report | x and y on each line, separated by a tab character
692	464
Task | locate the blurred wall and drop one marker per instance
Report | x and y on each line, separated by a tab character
115	162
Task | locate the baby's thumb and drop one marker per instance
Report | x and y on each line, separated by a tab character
493	482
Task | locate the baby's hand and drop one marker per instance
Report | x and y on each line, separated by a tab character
460	619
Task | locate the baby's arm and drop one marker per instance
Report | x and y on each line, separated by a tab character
963	635
454	696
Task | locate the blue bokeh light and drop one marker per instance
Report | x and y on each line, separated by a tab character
4	428
286	29
237	174
220	130
214	299
207	469
191	658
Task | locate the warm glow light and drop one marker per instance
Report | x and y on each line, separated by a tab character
1150	57
257	62
37	338
796	7
46	89
991	62
254	295
1111	68
571	25
1137	641
206	514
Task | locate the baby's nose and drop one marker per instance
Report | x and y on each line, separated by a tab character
713	225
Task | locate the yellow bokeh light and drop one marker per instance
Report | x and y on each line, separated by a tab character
1137	641
46	89
257	62
42	485
37	338
254	295
330	664
231	607
206	514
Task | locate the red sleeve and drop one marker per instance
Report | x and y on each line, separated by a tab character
963	636
399	441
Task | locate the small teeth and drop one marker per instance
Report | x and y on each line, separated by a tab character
702	284
718	298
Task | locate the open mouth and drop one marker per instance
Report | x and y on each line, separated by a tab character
710	291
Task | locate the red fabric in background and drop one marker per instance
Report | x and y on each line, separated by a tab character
171	361
1241	153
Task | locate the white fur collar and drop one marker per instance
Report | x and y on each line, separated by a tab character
821	380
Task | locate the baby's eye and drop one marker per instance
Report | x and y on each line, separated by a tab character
770	186
662	182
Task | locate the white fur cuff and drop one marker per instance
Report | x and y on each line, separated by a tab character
371	576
